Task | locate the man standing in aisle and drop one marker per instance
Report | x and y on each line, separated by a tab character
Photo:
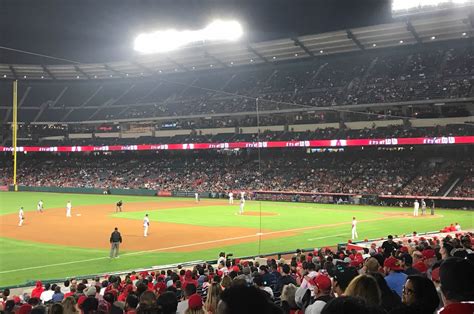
21	216
146	224
68	209
416	206
115	240
354	228
39	207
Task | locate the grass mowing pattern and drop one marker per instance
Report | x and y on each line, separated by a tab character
16	255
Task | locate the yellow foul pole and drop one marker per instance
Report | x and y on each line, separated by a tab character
15	129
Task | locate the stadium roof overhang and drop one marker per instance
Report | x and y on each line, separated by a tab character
443	26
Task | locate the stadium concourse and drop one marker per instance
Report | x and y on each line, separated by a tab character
410	274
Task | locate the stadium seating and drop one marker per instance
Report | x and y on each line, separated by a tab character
280	285
373	172
423	73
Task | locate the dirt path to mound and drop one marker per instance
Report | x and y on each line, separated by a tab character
93	226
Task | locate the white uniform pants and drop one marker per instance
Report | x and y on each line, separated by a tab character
231	200
241	211
21	222
415	212
68	213
145	231
354	233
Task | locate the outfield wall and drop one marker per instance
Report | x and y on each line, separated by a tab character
53	189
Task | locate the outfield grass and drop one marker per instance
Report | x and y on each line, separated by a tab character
21	261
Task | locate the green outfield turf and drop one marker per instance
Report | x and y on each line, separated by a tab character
315	225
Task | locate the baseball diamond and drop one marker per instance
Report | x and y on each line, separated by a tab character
54	246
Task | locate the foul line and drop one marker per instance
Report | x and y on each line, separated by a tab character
191	244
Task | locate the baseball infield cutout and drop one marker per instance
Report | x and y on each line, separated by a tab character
92	227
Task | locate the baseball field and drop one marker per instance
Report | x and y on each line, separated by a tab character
49	245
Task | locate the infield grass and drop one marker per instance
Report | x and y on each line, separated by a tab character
314	225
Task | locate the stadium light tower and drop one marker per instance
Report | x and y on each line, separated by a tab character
168	40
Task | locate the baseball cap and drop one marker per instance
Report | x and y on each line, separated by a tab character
428	253
321	281
420	266
344	275
392	263
90	291
195	302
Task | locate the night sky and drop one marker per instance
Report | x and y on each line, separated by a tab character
104	30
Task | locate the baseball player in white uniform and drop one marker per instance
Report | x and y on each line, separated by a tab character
39	207
231	198
242	205
196	197
416	206
21	217
68	209
146	224
423	207
354	228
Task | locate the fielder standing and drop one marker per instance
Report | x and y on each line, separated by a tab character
146	224
354	228
68	209
423	207
242	205
39	207
196	197
21	217
118	206
416	206
231	198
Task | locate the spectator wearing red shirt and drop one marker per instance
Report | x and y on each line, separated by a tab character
36	293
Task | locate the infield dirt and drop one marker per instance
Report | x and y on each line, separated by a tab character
91	226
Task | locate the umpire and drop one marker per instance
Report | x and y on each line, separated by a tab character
115	240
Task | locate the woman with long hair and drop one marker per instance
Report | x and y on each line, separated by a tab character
69	305
390	298
213	296
366	288
226	282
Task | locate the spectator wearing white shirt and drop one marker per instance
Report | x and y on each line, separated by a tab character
48	292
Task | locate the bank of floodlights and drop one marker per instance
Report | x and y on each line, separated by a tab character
168	40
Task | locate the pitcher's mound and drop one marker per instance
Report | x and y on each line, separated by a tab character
259	213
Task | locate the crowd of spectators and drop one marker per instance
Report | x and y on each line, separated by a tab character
416	274
375	172
387	76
